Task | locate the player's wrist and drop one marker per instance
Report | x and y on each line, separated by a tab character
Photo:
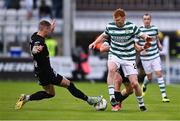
145	36
142	48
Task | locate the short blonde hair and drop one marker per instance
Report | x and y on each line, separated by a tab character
119	12
43	24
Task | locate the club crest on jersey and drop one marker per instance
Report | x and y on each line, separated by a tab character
127	31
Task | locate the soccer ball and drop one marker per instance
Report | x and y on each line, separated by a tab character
101	106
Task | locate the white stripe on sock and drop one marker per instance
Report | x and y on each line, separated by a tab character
111	91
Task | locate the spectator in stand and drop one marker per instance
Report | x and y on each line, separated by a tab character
82	67
28	5
12	4
57	8
45	11
52	46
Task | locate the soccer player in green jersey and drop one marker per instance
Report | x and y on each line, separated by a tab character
120	79
122	53
150	57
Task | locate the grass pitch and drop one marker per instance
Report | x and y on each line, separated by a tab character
65	107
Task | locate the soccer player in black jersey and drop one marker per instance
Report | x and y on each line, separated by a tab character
46	75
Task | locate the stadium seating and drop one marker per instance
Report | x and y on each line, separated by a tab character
137	5
22	14
91	15
10	33
2	14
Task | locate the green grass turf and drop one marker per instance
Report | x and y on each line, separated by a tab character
66	107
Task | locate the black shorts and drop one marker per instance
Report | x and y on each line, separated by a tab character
125	79
50	77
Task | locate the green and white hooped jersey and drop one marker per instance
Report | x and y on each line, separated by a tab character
153	51
122	40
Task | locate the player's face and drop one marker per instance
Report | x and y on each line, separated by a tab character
120	21
147	21
47	30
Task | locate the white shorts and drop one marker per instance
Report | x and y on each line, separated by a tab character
151	65
128	67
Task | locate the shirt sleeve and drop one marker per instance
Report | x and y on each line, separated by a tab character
37	43
107	42
137	31
136	39
106	32
157	31
34	46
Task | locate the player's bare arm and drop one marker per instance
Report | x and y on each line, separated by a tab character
100	39
104	47
37	49
138	47
53	24
146	37
159	44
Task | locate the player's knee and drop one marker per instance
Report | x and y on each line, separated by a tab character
129	90
149	77
117	81
135	84
158	74
50	95
111	69
65	82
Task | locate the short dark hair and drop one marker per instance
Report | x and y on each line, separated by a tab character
44	23
147	14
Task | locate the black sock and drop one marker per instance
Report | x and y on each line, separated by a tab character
76	92
119	97
123	97
40	95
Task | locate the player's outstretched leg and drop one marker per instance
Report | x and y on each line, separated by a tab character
36	96
144	85
161	84
48	93
138	92
21	101
79	94
112	75
94	100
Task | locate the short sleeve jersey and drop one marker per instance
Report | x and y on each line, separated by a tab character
41	59
122	40
153	51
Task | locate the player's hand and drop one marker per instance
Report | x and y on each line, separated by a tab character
147	45
160	47
143	52
149	39
53	24
92	46
37	49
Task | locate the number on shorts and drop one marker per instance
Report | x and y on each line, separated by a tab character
135	67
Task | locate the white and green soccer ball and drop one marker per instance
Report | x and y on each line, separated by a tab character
101	106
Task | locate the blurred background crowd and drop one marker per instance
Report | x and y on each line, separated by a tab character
19	19
79	22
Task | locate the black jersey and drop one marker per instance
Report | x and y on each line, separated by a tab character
41	59
43	71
